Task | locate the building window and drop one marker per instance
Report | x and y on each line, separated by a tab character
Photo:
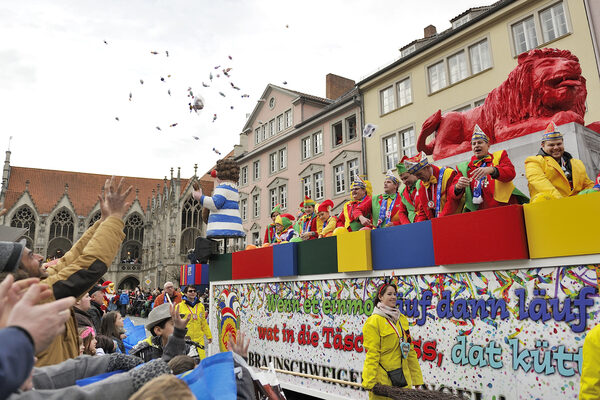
256	168
283	159
306	148
351	127
458	67
256	205
24	218
191	222
437	76
93	220
307	186
387	100
352	170
408	50
463	108
480	57
524	35
274	196
553	22
479	103
244	208
272	102
319	192
255	239
273	162
340	183
407	140
461	21
264	131
336	131
279	123
318	143
390	151
244	175
288	119
404	92
272	127
256	137
283	196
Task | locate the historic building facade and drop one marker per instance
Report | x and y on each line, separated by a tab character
295	145
56	207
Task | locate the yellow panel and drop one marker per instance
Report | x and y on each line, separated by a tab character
354	251
564	227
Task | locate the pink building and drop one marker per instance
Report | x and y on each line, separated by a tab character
295	144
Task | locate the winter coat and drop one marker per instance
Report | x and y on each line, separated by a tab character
383	349
83	318
16	359
74	275
197	327
95	313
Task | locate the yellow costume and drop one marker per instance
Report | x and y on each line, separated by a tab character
382	345
327	229
546	177
589	385
197	327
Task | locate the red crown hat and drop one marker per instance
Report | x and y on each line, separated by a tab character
325	206
288	216
213	173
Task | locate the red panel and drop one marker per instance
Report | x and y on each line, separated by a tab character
198	274
495	234
255	263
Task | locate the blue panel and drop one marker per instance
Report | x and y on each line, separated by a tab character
285	259
191	270
205	279
403	246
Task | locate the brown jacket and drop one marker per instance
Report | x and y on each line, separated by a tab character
160	299
74	275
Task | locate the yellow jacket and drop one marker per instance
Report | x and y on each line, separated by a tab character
589	385
383	347
74	275
546	176
197	327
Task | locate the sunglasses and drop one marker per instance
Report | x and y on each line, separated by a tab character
191	290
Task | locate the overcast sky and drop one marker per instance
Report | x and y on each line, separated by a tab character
61	86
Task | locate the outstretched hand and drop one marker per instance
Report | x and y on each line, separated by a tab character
197	192
10	293
178	322
112	201
238	345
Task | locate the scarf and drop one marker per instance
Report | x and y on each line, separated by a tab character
477	162
192	302
474	164
385	213
391	313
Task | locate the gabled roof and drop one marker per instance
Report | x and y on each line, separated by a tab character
295	94
474	10
47	187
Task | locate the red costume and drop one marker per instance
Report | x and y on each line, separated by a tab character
427	196
352	210
398	213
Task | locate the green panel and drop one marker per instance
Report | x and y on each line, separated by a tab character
318	256
220	267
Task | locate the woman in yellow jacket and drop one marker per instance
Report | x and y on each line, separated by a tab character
589	385
388	344
197	327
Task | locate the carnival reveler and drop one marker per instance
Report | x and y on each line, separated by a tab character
390	356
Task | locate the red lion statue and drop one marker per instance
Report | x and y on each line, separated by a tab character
545	86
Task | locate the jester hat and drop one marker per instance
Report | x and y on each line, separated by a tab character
390	175
551	132
416	163
361	184
478	134
285	220
325	206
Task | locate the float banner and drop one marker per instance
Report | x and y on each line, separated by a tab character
515	334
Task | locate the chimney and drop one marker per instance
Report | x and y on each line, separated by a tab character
336	85
429	31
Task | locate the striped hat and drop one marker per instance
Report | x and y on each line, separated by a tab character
390	175
478	134
307	202
416	163
360	183
551	132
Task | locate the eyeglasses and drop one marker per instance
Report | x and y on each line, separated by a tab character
191	290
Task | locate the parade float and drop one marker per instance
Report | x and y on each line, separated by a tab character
499	300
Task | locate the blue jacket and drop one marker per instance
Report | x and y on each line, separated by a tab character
16	359
124	299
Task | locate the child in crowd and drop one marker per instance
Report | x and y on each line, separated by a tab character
88	340
105	345
325	223
112	326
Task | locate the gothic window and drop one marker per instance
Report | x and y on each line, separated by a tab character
95	218
131	251
191	223
62	226
60	238
24	218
